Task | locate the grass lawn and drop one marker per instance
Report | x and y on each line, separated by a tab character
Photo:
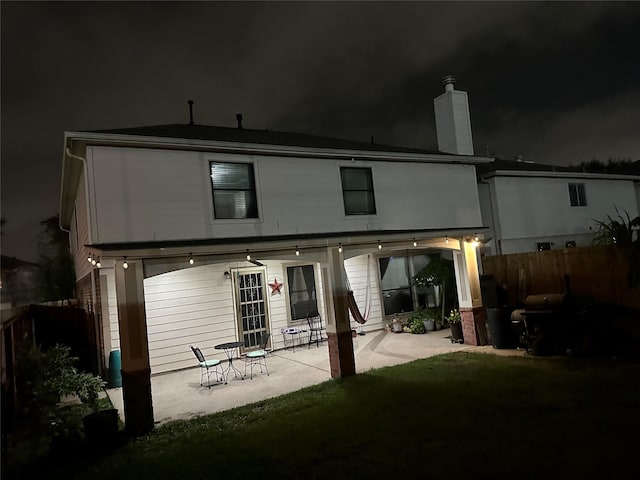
454	416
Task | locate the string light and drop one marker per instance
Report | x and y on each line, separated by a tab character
415	244
297	251
125	265
89	257
379	245
93	260
475	237
191	261
340	248
446	239
98	264
248	255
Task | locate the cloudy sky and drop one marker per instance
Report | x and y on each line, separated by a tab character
556	83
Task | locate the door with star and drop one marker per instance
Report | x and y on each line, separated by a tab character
251	305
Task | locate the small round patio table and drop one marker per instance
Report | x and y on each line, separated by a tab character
229	348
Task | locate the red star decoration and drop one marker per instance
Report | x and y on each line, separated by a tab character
275	286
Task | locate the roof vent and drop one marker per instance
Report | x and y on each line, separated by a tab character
239	119
190	102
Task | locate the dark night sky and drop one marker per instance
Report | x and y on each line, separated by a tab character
555	82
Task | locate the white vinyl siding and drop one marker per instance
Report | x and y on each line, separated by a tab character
155	195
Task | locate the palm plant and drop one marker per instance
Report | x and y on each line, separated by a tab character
624	233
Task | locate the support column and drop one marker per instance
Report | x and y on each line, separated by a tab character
135	368
473	314
341	357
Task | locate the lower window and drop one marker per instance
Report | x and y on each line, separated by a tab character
302	291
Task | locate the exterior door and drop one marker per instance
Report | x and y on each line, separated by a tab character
252	307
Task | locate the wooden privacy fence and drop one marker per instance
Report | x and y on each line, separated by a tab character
599	274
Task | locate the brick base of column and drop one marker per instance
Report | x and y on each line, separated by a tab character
474	326
341	357
138	405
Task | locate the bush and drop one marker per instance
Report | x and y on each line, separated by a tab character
416	325
43	379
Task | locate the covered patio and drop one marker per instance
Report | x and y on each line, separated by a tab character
178	395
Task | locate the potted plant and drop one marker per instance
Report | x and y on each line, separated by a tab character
396	325
100	424
416	325
455	321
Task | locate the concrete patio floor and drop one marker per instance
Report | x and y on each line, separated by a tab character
178	395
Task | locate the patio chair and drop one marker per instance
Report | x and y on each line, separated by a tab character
316	327
257	357
208	366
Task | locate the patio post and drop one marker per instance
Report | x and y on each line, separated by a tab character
135	368
472	312
341	356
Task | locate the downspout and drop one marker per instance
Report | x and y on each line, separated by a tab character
86	191
493	218
94	296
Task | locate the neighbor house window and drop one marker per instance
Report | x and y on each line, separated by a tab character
302	291
576	195
234	190
357	191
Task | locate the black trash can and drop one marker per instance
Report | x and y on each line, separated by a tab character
500	327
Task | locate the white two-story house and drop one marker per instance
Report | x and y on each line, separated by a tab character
530	206
205	235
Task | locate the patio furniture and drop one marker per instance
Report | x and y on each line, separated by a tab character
316	327
292	332
208	366
258	357
229	348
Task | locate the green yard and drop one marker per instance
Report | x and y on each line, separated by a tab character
453	416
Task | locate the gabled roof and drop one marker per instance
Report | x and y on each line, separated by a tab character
266	137
500	167
524	166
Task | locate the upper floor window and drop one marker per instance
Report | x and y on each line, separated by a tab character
576	195
234	190
357	191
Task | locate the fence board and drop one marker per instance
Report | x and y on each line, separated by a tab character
599	273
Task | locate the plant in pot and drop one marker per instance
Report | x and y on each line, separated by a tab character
439	272
455	321
416	325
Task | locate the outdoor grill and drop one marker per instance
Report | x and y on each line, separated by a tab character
547	321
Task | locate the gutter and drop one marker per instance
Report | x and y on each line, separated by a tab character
266	149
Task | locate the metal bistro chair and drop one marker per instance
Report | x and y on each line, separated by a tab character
315	327
207	366
258	357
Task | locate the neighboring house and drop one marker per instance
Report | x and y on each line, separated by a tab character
19	282
530	206
206	235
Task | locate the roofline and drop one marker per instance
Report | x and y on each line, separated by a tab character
91	138
308	240
585	175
